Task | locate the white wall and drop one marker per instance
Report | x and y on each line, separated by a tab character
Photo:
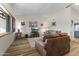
62	19
26	29
5	42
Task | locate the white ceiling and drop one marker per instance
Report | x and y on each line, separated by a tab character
76	8
37	8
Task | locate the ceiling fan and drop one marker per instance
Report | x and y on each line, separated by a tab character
72	4
69	5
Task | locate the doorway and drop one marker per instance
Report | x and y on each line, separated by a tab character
76	30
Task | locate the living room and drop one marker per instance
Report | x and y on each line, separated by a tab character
34	21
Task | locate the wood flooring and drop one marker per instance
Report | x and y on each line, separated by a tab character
21	47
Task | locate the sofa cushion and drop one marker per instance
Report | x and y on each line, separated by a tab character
63	34
49	32
50	36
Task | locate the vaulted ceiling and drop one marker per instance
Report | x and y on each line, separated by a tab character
26	9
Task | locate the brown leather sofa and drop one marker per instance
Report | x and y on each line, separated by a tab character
56	45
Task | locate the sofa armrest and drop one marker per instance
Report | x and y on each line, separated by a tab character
39	45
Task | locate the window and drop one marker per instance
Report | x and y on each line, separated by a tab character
2	22
7	22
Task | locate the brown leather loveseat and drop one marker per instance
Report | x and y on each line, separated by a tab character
54	45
